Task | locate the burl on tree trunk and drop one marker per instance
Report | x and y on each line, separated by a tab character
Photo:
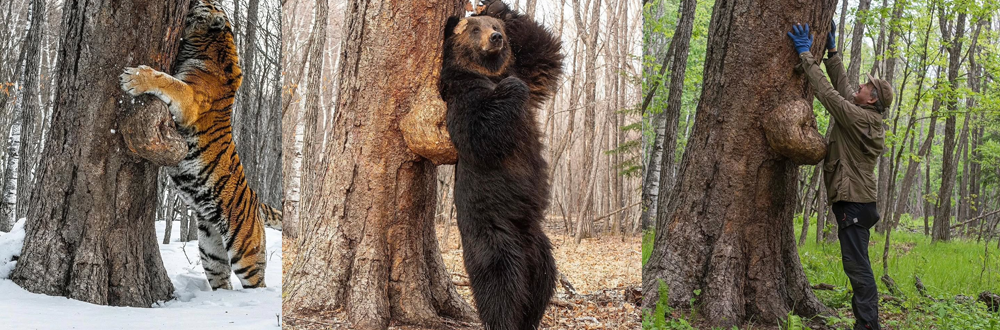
367	244
90	233
728	231
424	127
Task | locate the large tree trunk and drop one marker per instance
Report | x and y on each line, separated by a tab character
942	213
90	233
367	241
728	230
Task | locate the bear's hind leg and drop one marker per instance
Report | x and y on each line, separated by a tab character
499	279
542	281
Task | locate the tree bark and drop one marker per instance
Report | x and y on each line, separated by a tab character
29	110
728	231
369	226
313	126
651	189
8	187
678	68
942	213
857	40
90	233
585	204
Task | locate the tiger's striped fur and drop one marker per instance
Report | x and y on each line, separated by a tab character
210	178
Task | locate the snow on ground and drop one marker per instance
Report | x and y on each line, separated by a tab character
194	305
10	246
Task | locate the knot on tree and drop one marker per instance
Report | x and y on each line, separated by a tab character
791	131
424	128
149	132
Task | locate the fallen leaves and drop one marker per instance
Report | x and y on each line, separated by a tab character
606	272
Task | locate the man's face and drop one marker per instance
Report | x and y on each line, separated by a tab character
864	95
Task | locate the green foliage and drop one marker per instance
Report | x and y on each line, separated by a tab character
792	322
647	245
657	320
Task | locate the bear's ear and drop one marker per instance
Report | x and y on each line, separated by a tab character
449	27
455	25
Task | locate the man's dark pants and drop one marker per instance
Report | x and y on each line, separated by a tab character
854	221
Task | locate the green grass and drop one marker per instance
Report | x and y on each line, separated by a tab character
960	267
946	268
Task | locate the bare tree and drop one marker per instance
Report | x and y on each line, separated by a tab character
256	119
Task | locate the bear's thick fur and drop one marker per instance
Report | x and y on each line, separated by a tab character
498	68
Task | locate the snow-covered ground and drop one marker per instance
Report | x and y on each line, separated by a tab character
194	305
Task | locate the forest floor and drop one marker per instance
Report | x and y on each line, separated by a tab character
605	272
195	305
952	273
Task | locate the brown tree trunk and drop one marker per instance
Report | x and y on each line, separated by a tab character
586	202
367	242
942	213
857	40
90	233
728	230
928	207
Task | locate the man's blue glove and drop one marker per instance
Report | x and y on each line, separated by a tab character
801	38
831	38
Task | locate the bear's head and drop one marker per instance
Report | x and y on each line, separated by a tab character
478	44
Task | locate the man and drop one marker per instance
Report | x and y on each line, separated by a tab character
856	141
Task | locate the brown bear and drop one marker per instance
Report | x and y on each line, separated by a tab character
498	67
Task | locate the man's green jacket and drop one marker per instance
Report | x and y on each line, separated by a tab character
857	138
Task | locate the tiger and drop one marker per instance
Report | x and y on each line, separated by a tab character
210	178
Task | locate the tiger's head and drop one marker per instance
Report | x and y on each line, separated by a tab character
206	18
208	46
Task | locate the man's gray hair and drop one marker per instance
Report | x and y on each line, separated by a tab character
878	105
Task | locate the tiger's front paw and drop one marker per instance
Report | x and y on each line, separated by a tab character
137	81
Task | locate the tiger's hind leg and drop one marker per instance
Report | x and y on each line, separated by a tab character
213	257
179	96
249	256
